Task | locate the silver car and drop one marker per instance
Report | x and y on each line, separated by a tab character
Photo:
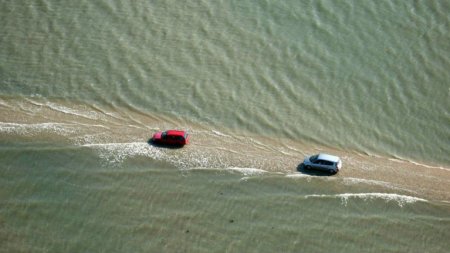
323	162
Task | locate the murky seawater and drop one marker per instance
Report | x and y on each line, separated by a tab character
258	85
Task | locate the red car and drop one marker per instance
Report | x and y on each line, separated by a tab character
171	138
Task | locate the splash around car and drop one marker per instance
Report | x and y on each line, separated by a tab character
170	138
323	162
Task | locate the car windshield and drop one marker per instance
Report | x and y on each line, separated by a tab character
314	158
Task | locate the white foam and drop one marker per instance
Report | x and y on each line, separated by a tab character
247	171
58	128
3	103
352	180
116	153
284	152
298	175
260	144
67	110
64	129
400	160
400	199
219	133
429	166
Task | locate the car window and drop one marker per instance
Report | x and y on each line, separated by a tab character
324	162
314	158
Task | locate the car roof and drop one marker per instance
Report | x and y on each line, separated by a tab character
176	132
328	157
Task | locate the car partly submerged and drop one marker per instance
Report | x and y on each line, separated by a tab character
171	138
323	162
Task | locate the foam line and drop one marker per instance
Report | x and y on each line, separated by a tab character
215	132
46	126
400	199
352	180
399	160
116	153
60	128
67	110
247	171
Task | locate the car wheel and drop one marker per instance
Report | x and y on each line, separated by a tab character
332	172
307	167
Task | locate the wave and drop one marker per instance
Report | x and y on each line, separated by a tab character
248	171
345	197
353	181
400	160
63	129
89	114
298	175
116	153
218	133
53	127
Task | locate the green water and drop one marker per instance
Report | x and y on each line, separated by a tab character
259	85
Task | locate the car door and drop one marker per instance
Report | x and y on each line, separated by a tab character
167	139
173	140
180	140
322	165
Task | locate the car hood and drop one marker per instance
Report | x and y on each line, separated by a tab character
157	135
306	160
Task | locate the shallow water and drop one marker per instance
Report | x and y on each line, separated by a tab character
258	85
66	199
